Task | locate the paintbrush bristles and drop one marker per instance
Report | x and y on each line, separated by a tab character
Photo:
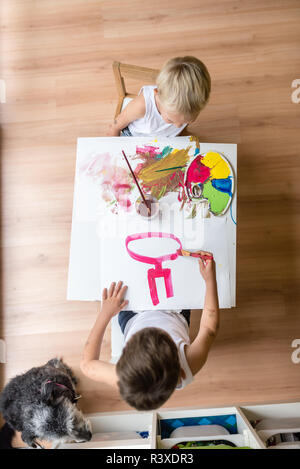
185	253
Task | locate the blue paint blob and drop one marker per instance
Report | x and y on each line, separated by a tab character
232	215
223	185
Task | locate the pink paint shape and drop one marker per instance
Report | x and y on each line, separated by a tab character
151	150
115	182
157	273
196	173
158	270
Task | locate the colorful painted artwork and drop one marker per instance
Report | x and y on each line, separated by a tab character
161	170
210	177
115	182
188	178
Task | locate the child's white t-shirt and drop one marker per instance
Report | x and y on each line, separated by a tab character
174	324
152	123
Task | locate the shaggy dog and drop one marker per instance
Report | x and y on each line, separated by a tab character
42	403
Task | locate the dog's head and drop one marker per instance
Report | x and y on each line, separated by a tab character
53	391
78	427
63	423
57	417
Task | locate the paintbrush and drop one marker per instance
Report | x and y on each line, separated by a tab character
204	257
138	186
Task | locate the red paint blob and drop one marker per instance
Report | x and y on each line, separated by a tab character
197	173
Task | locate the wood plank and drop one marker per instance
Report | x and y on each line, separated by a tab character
57	65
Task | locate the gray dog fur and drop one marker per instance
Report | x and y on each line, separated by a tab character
41	403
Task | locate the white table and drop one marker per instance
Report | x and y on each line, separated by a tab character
84	280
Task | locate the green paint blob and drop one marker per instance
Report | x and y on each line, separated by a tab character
218	200
166	151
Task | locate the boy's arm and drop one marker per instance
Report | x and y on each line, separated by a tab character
197	352
134	110
98	370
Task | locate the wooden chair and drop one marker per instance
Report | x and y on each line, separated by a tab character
125	71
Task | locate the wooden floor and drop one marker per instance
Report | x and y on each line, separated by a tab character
56	60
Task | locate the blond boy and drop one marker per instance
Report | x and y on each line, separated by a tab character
182	90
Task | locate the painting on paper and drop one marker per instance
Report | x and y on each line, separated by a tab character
107	243
162	169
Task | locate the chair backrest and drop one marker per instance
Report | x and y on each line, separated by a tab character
124	72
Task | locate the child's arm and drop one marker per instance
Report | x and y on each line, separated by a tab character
197	352
134	110
98	370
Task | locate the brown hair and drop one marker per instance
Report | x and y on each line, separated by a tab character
148	369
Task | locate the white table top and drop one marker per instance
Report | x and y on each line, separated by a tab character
84	281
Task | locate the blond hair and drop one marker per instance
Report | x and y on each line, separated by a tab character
183	85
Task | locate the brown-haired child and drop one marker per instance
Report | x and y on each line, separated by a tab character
157	357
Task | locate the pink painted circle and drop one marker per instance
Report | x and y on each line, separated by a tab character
152	260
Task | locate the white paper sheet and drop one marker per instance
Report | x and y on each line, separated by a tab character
97	246
188	285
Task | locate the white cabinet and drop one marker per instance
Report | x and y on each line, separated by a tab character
165	428
119	430
274	419
240	432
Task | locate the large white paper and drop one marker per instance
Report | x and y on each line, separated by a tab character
188	285
99	228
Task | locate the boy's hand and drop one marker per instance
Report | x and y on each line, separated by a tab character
207	268
113	299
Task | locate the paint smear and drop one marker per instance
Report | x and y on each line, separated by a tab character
219	168
194	138
218	200
197	173
116	182
223	185
165	173
148	150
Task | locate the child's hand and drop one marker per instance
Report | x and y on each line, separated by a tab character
113	299
207	268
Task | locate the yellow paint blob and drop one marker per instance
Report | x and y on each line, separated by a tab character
219	168
165	167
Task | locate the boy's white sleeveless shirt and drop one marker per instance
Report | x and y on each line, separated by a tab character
152	123
174	324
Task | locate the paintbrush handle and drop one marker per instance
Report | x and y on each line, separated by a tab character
204	257
136	181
